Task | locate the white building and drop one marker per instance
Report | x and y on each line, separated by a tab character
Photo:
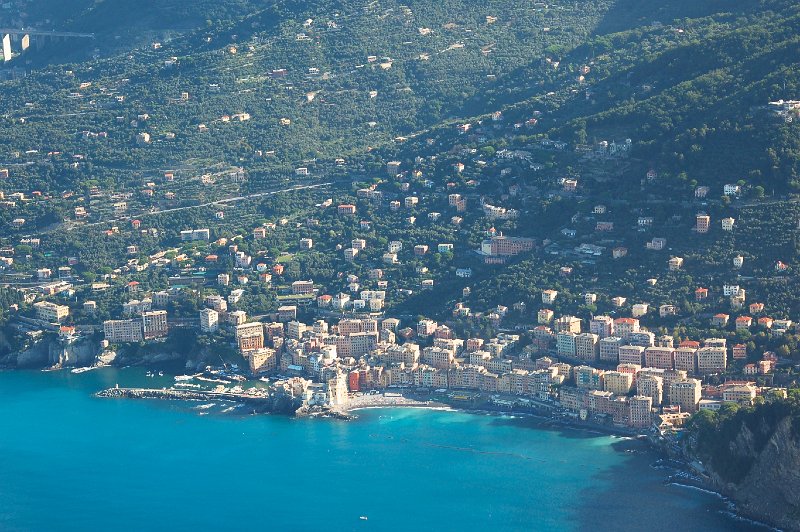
727	224
209	320
50	312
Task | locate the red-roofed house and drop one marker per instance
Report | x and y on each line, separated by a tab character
700	294
720	320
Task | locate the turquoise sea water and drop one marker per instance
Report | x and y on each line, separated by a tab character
70	461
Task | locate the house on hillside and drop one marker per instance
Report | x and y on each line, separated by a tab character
720	320
700	294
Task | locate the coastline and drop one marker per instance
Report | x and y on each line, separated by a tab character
546	422
364	402
733	510
443	408
442	438
681	477
355	404
538	421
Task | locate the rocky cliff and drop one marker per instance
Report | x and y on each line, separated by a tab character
51	351
81	353
754	458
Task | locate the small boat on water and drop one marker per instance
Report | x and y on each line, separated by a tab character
160	373
363	517
82	370
149	374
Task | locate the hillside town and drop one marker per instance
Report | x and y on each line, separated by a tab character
572	350
485	265
541	256
609	371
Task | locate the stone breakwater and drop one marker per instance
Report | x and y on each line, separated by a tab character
143	393
186	395
260	401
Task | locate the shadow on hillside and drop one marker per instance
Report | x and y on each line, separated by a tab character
630	14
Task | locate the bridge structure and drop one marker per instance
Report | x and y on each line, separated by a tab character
25	38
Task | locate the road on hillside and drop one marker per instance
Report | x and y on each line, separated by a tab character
71	226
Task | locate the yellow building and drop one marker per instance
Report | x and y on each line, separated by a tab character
685	394
640	409
262	360
617	382
51	312
651	386
741	393
711	359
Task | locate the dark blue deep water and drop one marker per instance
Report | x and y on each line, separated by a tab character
70	461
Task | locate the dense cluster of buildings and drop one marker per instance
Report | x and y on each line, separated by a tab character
623	340
611	367
648	380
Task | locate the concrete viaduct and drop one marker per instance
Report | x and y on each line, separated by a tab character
24	39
